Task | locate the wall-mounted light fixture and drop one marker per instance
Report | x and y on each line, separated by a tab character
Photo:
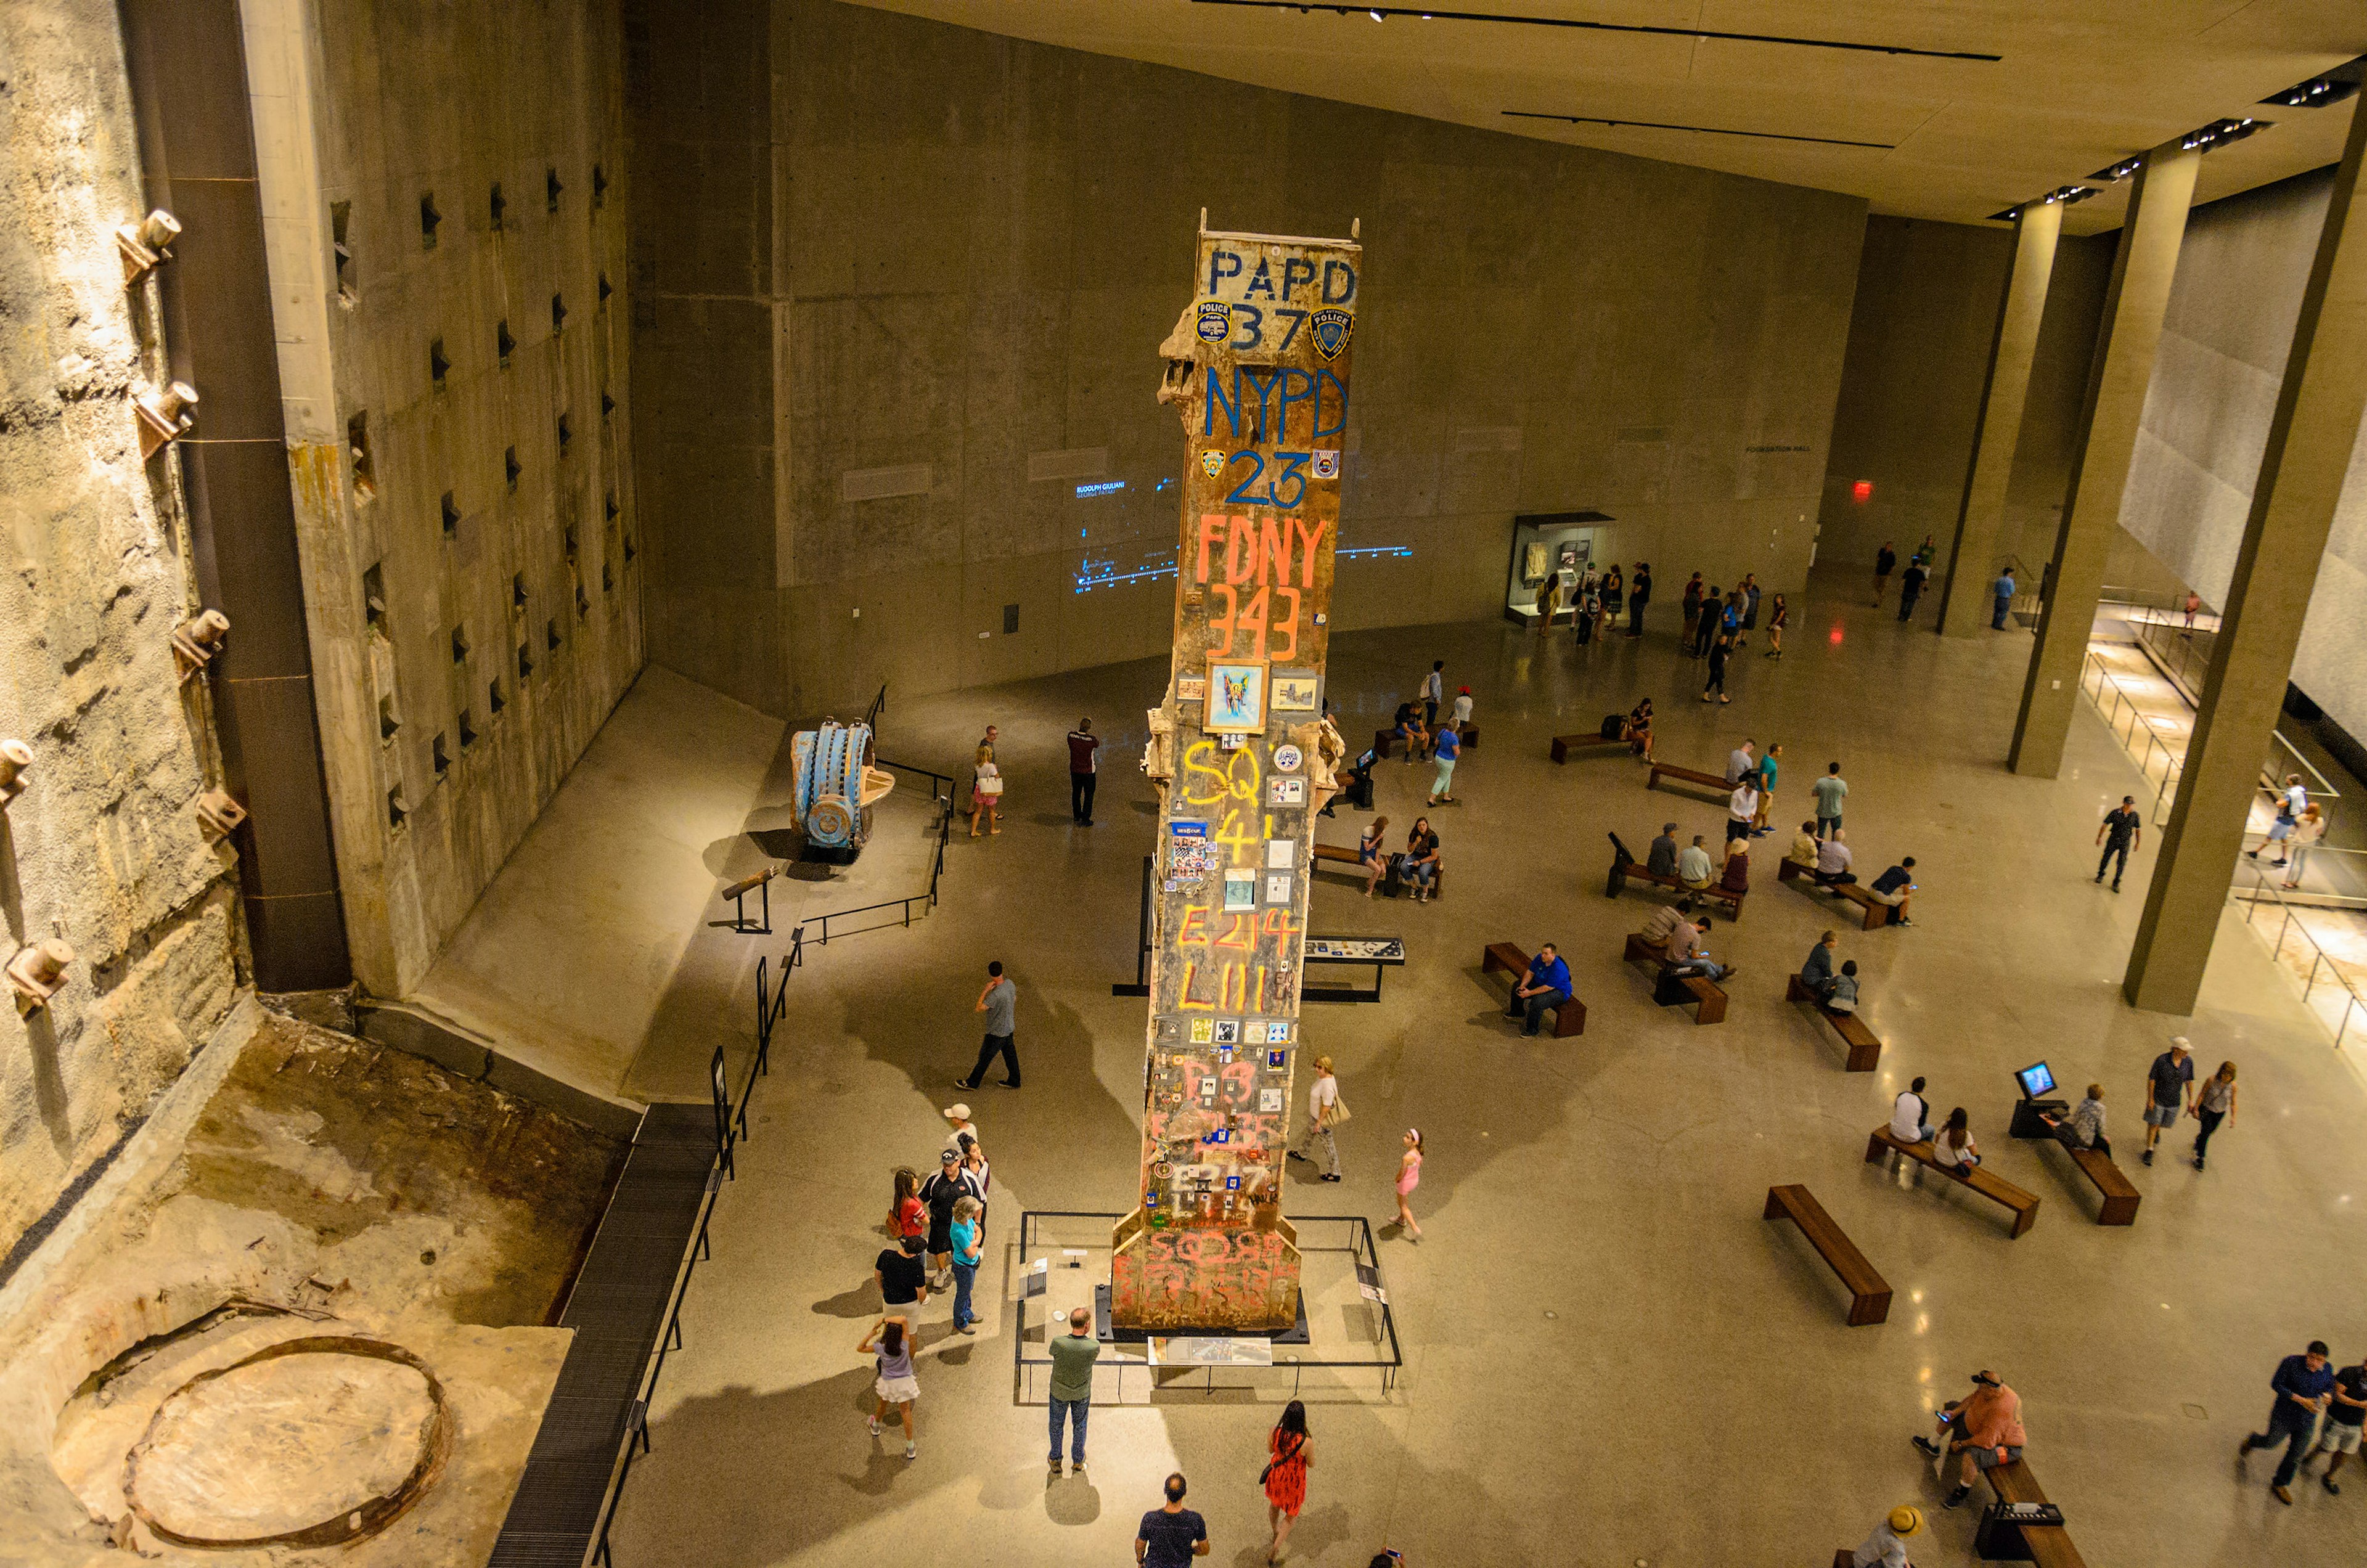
146	243
15	758
2219	132
219	813
38	971
198	639
164	415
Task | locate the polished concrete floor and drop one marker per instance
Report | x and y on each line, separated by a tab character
1611	1358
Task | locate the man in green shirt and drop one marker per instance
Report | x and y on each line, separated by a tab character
1073	1355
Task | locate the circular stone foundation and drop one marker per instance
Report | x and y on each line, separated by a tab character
308	1442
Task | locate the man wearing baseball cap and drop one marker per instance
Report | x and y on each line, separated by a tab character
2170	1089
1985	1427
1887	1546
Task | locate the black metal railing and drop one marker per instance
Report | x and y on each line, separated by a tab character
926	899
730	1131
879	706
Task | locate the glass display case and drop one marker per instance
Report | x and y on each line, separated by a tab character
1549	548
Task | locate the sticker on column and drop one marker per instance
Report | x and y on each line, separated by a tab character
1202	1030
1279	887
1281	854
1191	688
1240	888
1253	1032
1286	792
1269	1100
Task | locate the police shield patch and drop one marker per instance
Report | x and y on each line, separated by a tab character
1327	464
1217	321
1330	326
1212	462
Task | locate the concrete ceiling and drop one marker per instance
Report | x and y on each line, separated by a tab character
2078	83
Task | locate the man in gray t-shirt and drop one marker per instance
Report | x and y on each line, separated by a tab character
999	1002
1072	1385
1829	792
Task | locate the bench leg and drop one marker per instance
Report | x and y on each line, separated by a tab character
1710	1010
1874	1147
2026	1218
1871	1308
1864	1058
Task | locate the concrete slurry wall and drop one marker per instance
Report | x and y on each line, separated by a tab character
523	595
899	289
1919	332
102	848
2226	338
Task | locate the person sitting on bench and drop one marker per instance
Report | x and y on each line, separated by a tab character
1833	861
1692	870
1910	1115
1681	935
1637	729
1984	1427
1803	852
1545	988
1371	856
1735	878
2085	1127
1661	859
1954	1149
1817	974
1842	995
1892	888
1409	730
1419	864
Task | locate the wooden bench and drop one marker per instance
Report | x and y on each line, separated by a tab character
1563	745
1877	913
2046	1546
1338	854
1569	1018
1865	1047
1688	775
1635	870
2120	1196
1869	1291
1995	1188
1382	741
1675	990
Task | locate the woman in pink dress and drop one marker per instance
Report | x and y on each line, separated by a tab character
1410	1177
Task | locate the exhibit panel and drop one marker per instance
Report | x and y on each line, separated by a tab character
1552	550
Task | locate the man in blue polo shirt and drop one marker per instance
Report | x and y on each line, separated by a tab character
2303	1385
1546	985
2002	597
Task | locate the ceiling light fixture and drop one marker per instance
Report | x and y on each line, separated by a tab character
2332	87
2118	171
2220	132
1381	12
1704	130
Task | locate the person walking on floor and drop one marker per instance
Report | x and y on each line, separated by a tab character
1767	772
1910	588
1719	652
1082	746
1742	760
1886	559
1409	1177
1778	618
1172	1535
1434	691
1072	1395
1639	593
1750	601
2001	598
985	754
1985	1426
889	1344
985	795
1447	751
2213	1103
969	1234
2304	1385
999	1002
1742	807
2307	828
2344	1416
1545	987
1324	1114
1706	625
2120	833
1691	604
1887	1546
2194	602
2169	1087
1289	1452
1830	792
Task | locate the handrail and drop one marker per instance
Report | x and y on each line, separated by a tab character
927	897
879	706
2173	761
2319	959
771	1003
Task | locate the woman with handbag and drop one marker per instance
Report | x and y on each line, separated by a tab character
985	795
1325	1110
1285	1475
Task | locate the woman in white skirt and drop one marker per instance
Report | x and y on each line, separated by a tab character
891	1344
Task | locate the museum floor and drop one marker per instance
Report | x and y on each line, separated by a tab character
1611	1358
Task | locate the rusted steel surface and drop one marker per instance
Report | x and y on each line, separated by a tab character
1257	368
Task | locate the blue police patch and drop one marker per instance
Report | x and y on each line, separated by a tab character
1216	320
1212	462
1330	326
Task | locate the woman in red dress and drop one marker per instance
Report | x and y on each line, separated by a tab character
1286	1474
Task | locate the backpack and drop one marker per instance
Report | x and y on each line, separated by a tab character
1611	726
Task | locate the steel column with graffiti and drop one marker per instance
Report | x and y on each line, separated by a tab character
1258	369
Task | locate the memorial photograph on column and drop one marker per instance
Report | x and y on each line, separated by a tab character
1257	368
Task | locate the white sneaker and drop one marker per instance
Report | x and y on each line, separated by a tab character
912	1450
873	1424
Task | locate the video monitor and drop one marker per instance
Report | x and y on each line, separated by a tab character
2037	1080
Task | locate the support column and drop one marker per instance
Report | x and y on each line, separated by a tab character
2125	341
1972	558
2319	412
